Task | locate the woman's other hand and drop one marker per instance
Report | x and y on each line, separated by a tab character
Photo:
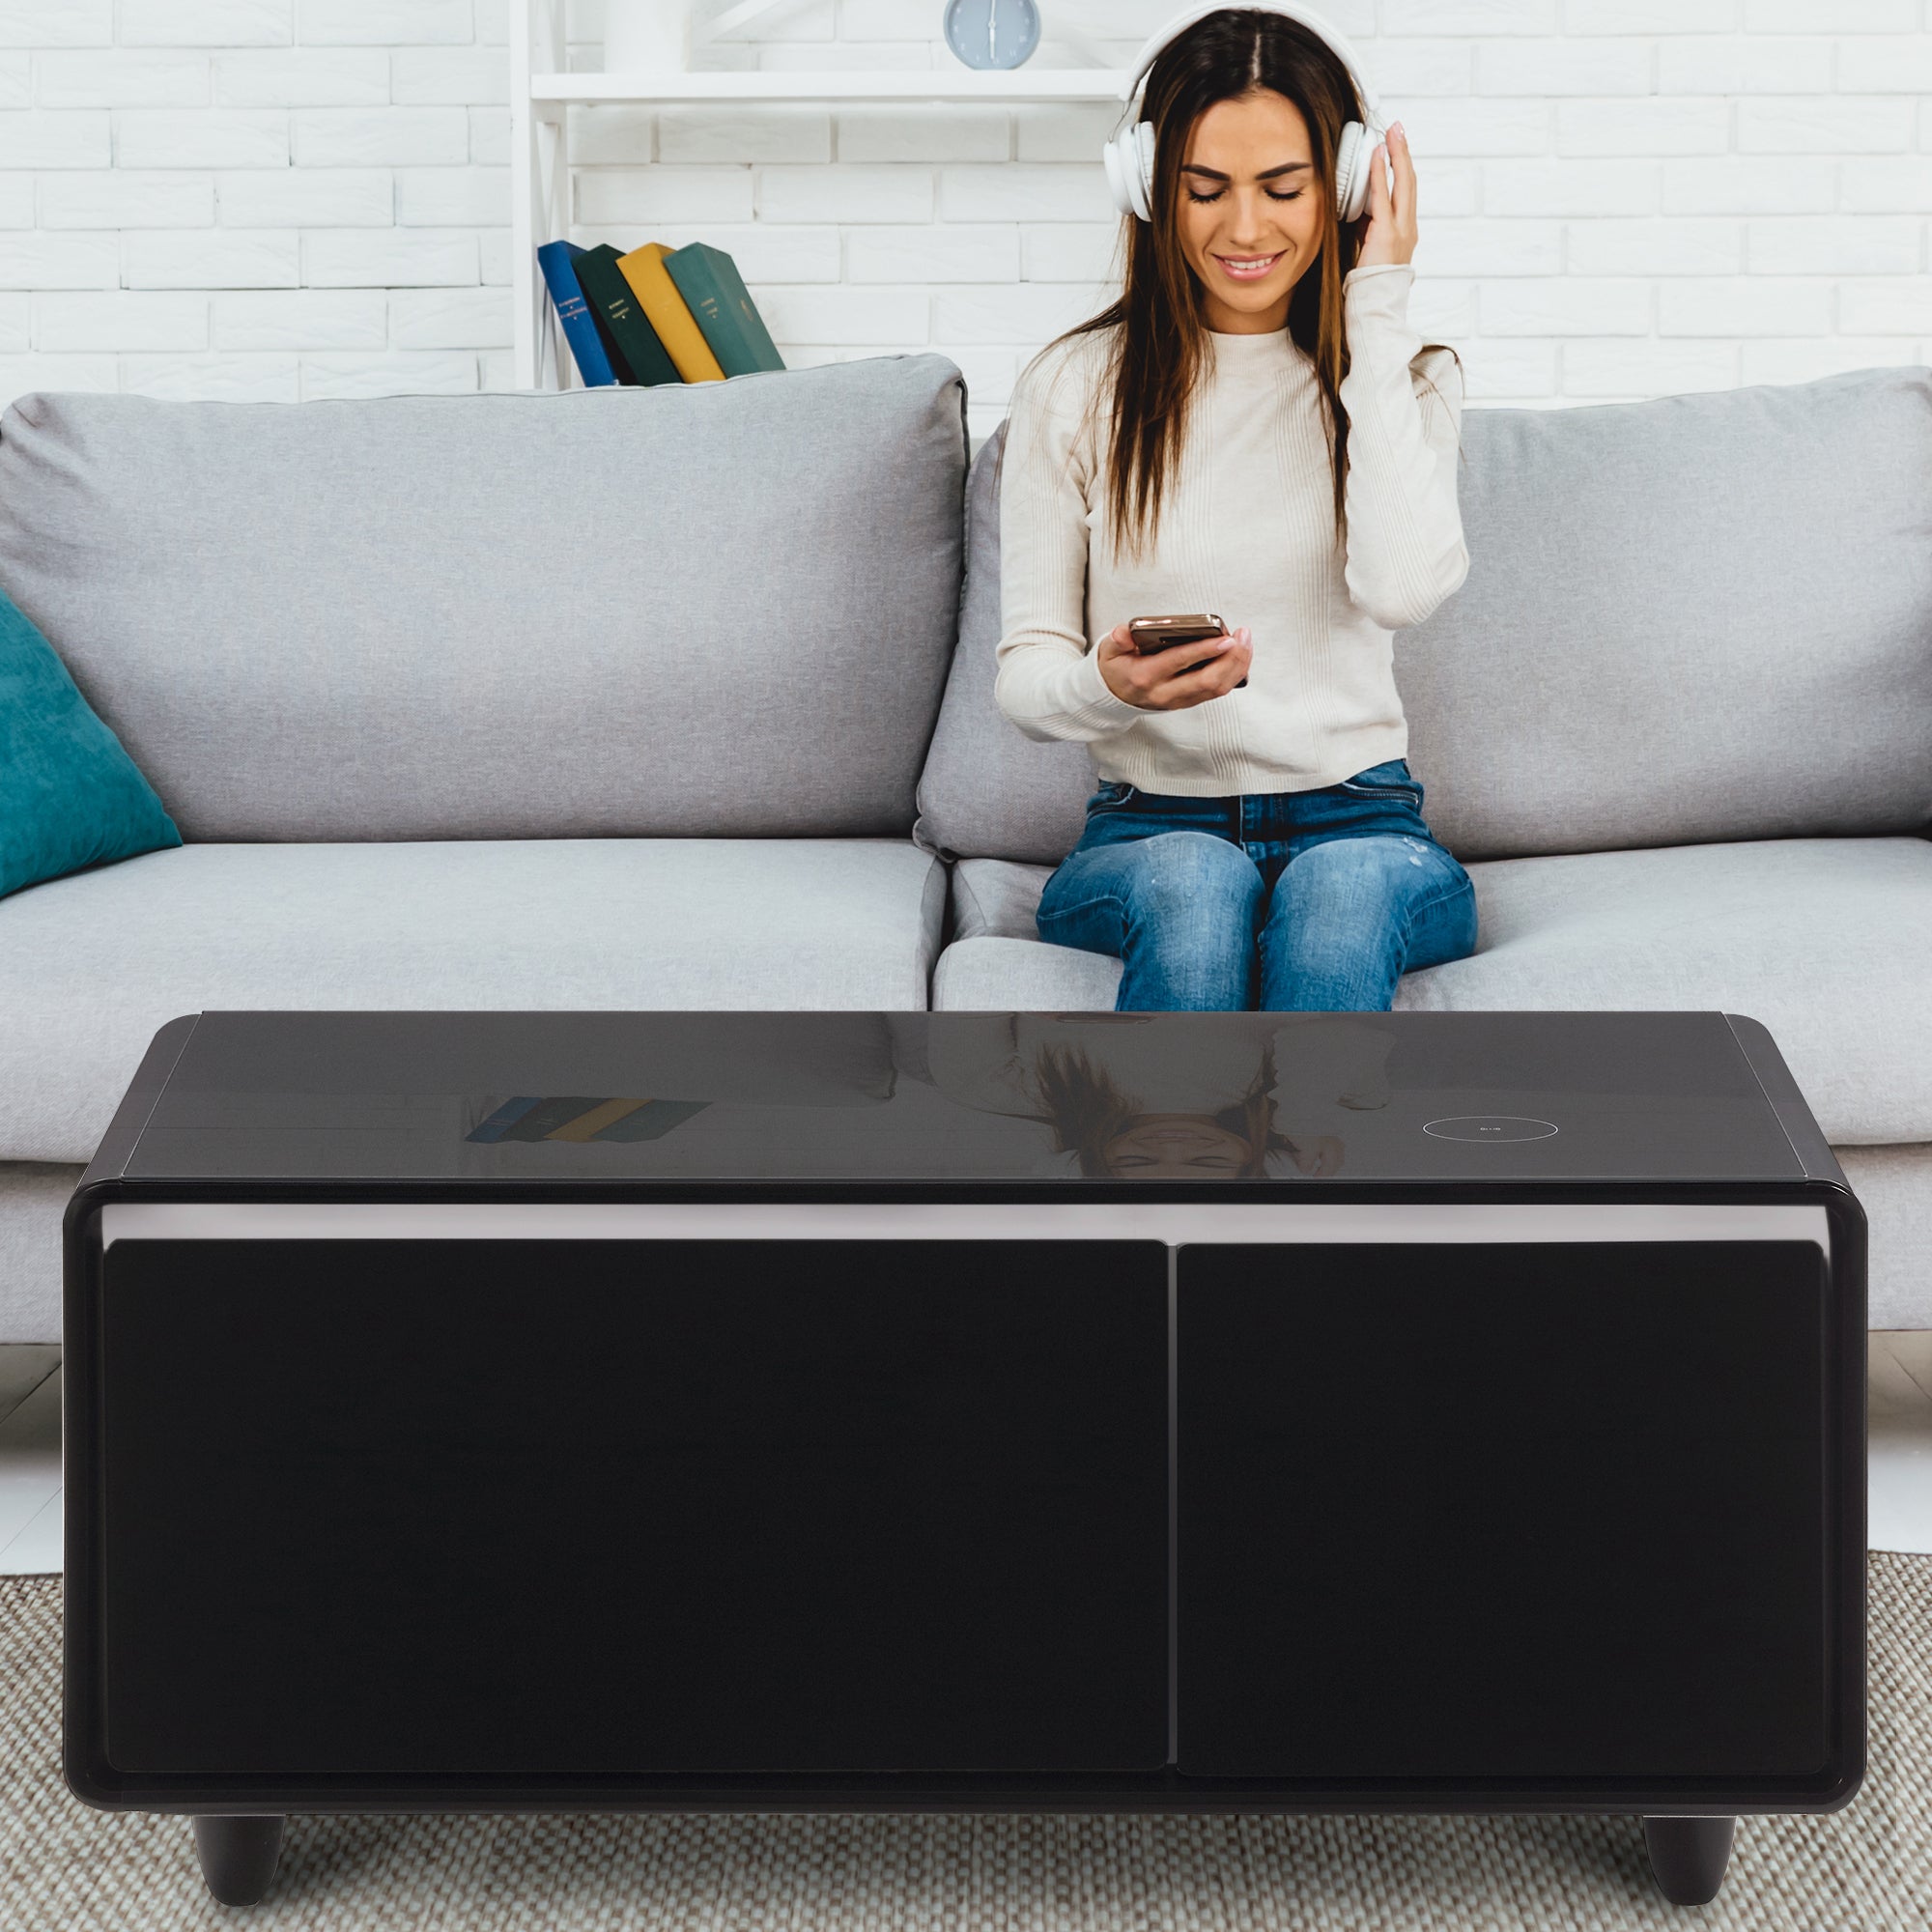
1178	677
1390	236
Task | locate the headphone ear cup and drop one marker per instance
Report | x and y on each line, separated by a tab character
1141	175
1129	159
1117	181
1130	162
1351	172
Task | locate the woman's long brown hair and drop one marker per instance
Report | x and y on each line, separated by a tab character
1160	346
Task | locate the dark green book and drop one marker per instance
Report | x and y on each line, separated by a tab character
708	280
615	305
615	356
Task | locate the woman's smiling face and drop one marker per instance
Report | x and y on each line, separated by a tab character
1247	213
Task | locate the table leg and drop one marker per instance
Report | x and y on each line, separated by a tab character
1688	1856
238	1856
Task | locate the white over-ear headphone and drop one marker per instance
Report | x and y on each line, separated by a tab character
1129	154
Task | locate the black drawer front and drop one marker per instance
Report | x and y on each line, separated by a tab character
1504	1511
518	1506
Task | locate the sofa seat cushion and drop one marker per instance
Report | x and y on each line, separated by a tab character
1826	940
92	965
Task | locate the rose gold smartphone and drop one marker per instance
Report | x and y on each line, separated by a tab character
1161	634
1150	635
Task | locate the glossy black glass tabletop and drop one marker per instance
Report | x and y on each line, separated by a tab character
962	1096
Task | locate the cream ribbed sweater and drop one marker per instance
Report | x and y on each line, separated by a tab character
1250	533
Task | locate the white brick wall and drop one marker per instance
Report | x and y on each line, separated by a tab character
281	199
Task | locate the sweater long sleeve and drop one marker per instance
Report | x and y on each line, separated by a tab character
1048	680
1247	531
1405	547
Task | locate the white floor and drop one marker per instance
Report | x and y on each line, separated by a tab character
30	1513
1899	1435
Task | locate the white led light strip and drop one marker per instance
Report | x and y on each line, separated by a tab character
1172	1221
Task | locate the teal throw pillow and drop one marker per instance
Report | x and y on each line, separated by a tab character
70	795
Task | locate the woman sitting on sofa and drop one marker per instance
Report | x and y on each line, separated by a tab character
1251	430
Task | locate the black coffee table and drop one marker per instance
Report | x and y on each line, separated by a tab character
814	1411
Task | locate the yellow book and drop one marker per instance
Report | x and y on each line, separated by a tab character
668	314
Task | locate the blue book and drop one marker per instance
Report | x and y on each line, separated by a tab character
580	326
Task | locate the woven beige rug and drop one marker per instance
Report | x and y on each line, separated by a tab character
1867	1868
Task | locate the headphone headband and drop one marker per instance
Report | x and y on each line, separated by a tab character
1129	151
1307	16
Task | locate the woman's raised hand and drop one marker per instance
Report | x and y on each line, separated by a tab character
1390	236
1178	677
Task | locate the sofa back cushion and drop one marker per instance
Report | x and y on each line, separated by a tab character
1697	619
724	609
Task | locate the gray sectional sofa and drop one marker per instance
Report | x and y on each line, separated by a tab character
683	699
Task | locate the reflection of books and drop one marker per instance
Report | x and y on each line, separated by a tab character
652	1120
577	1117
585	1127
503	1118
548	1114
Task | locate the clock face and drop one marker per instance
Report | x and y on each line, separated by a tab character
992	32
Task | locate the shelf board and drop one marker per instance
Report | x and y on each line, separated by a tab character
1004	85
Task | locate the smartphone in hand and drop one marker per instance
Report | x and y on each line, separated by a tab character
1150	635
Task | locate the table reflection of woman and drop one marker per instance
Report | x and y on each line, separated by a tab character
1133	1098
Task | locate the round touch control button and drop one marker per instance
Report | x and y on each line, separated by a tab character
1490	1127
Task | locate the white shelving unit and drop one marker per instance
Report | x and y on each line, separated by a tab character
542	94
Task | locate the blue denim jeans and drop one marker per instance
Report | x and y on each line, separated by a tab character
1301	901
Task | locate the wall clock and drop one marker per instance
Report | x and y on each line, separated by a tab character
992	32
